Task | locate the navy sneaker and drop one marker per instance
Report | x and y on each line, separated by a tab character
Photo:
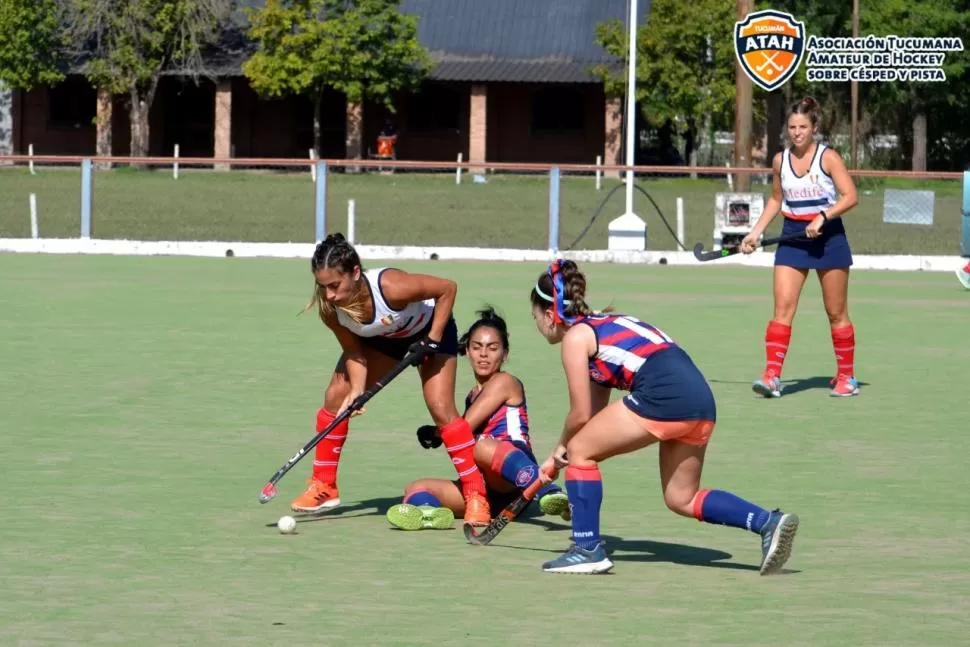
580	560
776	541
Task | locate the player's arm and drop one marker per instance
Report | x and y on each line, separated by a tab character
500	390
773	204
578	345
354	359
848	197
401	288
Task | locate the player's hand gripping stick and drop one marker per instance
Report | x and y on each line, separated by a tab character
269	491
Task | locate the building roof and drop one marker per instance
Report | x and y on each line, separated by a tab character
516	40
551	41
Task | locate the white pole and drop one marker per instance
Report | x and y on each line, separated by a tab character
680	220
631	87
351	220
599	173
458	171
33	215
30	153
313	167
730	177
175	166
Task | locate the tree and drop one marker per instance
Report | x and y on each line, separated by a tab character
906	105
685	62
29	43
123	46
363	48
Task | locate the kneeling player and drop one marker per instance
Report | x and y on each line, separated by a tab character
496	409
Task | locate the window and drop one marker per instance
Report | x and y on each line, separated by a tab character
557	110
435	108
72	103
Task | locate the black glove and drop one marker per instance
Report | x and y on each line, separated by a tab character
428	437
422	349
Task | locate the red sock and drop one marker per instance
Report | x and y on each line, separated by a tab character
843	342
460	443
777	338
328	450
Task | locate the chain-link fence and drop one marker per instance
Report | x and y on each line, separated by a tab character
442	204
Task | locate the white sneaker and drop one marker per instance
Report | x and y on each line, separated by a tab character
964	277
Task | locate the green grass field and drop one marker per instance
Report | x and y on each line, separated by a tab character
412	209
145	401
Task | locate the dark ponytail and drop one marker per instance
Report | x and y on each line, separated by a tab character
487	318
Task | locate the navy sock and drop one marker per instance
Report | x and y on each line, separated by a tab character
584	485
514	465
726	509
422	497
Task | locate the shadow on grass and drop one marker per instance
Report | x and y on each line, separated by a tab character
796	385
367	508
645	550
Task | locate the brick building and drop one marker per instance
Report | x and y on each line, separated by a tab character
512	83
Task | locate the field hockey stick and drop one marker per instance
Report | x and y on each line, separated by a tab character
506	516
269	491
713	255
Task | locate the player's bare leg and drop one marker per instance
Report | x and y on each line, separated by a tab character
835	291
322	493
681	465
438	379
788	284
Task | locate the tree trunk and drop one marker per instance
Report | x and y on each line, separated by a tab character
690	136
141	98
317	129
919	141
138	115
103	126
775	126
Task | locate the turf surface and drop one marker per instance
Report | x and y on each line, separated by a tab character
412	209
145	402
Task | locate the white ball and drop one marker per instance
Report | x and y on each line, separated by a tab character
287	525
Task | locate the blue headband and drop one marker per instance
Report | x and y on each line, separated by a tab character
557	299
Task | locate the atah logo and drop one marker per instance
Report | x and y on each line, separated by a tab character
770	45
525	476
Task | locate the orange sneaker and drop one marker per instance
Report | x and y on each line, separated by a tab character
476	510
319	496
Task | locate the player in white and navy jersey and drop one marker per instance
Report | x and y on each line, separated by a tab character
812	190
497	412
379	316
669	402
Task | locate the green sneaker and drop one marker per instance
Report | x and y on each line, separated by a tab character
556	504
411	517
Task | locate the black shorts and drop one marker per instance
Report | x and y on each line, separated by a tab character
397	347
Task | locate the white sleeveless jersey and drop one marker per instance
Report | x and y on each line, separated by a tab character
388	322
803	197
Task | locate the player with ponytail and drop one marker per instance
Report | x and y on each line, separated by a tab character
669	403
496	409
379	316
812	190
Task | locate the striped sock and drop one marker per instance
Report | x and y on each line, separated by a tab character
327	458
584	486
460	443
726	509
777	339
843	343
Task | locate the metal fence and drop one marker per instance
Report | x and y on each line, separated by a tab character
519	206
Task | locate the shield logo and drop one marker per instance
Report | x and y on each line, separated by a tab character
770	45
